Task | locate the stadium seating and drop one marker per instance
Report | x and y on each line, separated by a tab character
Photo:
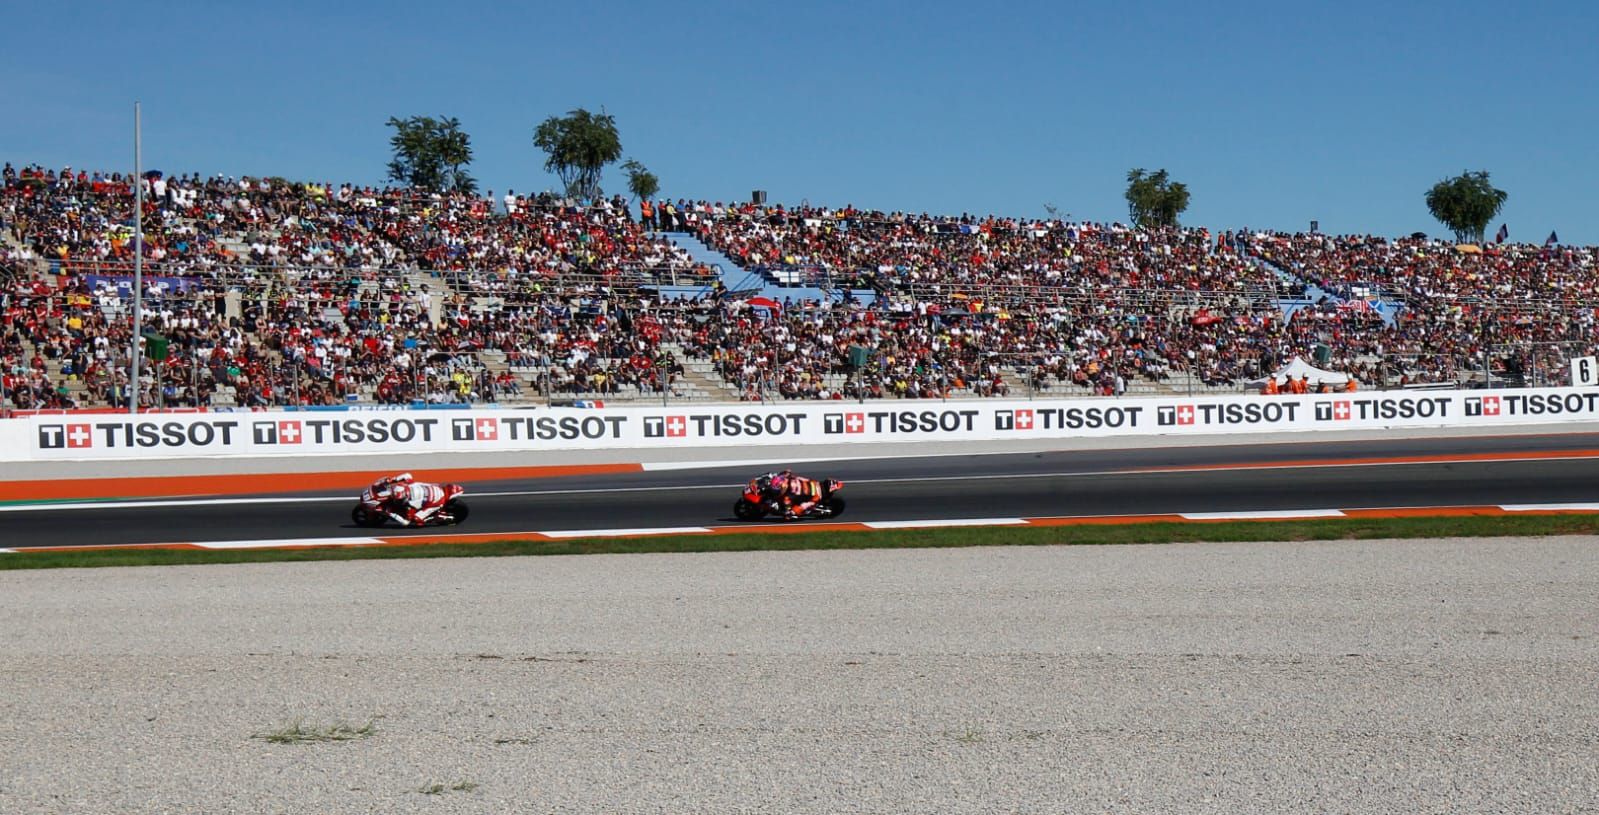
271	292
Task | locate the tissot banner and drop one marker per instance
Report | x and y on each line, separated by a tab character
116	436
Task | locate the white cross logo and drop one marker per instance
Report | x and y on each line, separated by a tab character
289	432
854	422
1185	414
487	429
77	435
1024	420
1340	410
1490	405
675	426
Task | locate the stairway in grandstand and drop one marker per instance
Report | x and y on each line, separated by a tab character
733	277
738	280
36	268
1386	307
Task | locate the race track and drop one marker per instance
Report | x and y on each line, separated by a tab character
1555	468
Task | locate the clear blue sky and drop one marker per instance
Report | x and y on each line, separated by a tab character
1274	113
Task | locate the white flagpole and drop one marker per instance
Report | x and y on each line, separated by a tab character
138	262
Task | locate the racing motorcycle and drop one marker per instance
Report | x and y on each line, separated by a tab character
372	510
761	499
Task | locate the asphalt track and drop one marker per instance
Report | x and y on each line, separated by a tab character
1553	468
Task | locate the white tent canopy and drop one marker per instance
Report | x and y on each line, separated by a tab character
1299	367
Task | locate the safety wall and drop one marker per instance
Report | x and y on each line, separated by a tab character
250	434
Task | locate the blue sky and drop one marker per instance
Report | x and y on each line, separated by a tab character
1273	113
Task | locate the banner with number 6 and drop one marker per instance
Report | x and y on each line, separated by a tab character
1584	372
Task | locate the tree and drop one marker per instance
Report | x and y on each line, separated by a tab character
578	146
640	181
431	154
1153	199
1465	204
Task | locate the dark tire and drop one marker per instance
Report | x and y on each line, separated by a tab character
363	518
458	511
746	511
835	507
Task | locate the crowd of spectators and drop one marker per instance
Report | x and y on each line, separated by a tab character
270	292
325	301
1100	305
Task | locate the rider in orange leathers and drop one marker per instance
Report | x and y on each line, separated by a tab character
799	494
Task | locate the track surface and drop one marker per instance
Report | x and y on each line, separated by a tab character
1212	479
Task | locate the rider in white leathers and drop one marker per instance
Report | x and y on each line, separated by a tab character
407	500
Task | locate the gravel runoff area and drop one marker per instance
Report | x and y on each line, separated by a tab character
1416	676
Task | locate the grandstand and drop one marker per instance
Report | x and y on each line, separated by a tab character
273	292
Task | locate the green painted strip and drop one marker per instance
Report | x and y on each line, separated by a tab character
1145	533
44	501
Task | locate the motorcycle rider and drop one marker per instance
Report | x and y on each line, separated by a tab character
390	480
798	494
405	500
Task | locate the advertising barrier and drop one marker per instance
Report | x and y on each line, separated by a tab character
204	435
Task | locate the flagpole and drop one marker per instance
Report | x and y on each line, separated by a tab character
138	263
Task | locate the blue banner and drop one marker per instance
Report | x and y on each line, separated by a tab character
124	285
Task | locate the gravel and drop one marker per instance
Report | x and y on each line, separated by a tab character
1414	676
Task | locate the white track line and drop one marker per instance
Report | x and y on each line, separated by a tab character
665	466
178	502
752	463
1548	507
227	502
275	544
617	533
949	522
1265	514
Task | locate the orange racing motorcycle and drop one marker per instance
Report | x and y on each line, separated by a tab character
763	497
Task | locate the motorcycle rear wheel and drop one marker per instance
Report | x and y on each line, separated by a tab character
458	511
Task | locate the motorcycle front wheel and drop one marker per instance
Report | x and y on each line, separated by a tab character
835	507
362	517
747	511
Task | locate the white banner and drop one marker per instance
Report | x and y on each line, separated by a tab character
1584	372
301	433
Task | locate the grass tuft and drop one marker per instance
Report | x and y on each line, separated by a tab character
440	789
298	732
971	735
